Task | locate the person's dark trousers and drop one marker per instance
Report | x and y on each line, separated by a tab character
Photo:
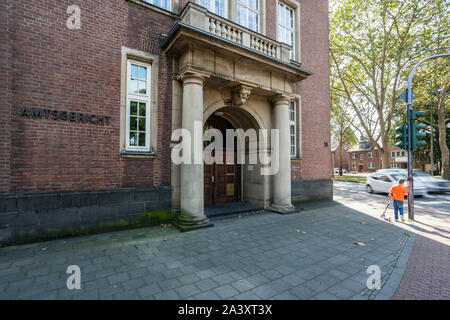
398	206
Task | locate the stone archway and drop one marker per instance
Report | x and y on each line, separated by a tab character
252	187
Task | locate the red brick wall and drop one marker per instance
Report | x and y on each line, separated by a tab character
364	162
5	96
76	70
315	112
49	66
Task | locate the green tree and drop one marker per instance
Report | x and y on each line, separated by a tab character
373	46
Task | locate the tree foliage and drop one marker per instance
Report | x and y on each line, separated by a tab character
373	47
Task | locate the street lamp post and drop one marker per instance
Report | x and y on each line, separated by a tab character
409	121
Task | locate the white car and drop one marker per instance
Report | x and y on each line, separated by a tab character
383	180
433	184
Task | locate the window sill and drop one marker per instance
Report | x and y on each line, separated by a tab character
137	155
296	158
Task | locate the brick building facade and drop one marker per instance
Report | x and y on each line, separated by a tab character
365	160
70	154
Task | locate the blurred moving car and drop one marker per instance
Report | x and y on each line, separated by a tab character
433	184
383	180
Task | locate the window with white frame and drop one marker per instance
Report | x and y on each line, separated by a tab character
353	156
394	165
354	165
371	165
393	154
403	153
286	26
361	156
165	4
369	155
398	153
216	6
248	14
138	106
293	127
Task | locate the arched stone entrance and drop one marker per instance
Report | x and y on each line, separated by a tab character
240	181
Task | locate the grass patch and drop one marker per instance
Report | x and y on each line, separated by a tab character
357	179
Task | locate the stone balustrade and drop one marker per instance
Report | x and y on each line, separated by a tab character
201	18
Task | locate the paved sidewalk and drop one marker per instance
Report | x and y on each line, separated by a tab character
428	272
308	255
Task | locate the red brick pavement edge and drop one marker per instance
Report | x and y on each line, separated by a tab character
427	274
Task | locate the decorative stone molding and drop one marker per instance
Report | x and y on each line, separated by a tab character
241	94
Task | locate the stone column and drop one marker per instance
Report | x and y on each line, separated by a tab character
192	204
281	181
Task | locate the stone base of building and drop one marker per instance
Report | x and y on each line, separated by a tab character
311	190
44	216
282	210
183	227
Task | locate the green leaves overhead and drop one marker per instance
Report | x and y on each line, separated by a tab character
373	47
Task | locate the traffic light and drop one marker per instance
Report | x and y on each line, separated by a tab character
402	138
415	114
417	135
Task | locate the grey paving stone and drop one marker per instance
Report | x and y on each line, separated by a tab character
118	278
149	290
303	292
207	295
226	291
205	274
169	284
187	291
206	284
243	285
248	295
264	291
166	295
223	279
341	292
188	278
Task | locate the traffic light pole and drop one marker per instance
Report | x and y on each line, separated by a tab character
409	121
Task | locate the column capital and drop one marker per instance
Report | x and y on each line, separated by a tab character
192	76
281	98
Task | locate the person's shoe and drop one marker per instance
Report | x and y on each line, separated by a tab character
396	220
383	216
403	219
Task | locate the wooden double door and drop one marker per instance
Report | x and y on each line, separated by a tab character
222	182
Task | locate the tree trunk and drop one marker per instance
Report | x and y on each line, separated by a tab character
385	158
340	160
445	168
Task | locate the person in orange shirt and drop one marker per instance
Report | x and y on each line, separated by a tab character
397	193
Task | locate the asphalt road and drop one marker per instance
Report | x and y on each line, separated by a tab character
432	212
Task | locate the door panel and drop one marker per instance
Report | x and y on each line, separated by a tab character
222	182
209	185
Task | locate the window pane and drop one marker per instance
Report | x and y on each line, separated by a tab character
143	73
142	124
142	109
142	87
133	123
220	7
141	139
134	71
253	4
134	86
133	108
133	138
